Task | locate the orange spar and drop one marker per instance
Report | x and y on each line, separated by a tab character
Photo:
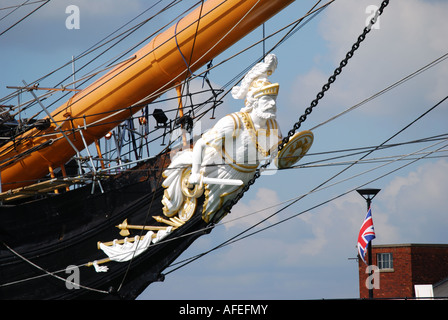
158	66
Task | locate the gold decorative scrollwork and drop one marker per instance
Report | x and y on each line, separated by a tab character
189	190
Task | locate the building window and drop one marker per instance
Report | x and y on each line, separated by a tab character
385	261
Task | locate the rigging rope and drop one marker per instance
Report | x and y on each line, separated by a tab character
309	110
160	175
320	187
374	96
294	29
15	8
426	155
4	31
20	5
390	87
228	206
99	44
238	237
45	271
314	103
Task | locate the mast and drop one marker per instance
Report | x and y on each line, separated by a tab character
159	65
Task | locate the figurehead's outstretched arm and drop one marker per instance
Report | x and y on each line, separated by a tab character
198	150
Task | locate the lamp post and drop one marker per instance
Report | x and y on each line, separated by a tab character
368	195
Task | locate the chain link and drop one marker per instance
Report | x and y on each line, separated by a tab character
228	206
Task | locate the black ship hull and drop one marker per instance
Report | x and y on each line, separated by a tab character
48	235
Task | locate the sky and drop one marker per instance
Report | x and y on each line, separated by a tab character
311	254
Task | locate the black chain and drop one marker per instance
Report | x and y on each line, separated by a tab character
313	104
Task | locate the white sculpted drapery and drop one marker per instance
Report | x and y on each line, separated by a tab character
232	149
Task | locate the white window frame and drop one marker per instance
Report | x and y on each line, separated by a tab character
383	263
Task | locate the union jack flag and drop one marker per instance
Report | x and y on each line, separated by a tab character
366	234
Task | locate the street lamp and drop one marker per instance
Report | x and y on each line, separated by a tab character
368	195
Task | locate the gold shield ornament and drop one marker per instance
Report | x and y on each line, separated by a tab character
297	146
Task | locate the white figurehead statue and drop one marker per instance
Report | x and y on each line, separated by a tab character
227	156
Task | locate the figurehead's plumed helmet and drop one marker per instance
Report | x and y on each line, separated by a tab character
266	89
256	84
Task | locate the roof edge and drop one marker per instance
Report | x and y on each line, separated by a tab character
443	245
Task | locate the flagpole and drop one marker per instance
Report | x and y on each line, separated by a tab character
368	195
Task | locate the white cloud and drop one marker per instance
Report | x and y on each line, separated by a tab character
411	35
307	257
45	33
266	201
298	242
293	257
407	209
415	204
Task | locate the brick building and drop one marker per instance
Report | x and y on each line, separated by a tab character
399	268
